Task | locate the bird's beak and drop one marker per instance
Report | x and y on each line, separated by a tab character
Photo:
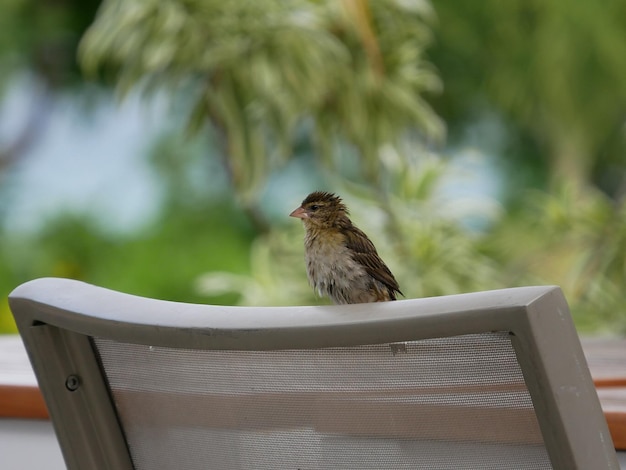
300	213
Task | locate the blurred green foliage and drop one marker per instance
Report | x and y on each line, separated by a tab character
574	239
348	80
350	71
162	261
42	37
552	70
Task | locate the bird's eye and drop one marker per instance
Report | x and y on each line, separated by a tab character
314	207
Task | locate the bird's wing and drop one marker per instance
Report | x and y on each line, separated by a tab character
364	253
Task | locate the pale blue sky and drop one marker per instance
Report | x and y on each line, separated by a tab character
84	161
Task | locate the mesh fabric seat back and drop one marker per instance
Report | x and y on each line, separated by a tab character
458	402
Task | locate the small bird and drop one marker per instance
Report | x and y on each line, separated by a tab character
341	261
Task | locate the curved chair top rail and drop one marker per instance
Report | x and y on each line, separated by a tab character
96	311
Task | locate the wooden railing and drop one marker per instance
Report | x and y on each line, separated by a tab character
607	362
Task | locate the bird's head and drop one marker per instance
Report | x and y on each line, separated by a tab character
321	210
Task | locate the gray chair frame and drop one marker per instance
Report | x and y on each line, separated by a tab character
56	317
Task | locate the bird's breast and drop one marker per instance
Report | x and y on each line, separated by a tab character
331	268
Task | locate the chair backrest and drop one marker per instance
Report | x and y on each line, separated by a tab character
486	380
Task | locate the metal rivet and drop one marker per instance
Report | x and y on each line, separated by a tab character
72	382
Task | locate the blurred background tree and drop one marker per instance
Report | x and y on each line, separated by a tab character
40	39
257	71
552	72
552	75
347	96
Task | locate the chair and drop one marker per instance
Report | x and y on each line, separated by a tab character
491	380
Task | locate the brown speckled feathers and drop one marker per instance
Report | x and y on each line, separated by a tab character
341	260
365	253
